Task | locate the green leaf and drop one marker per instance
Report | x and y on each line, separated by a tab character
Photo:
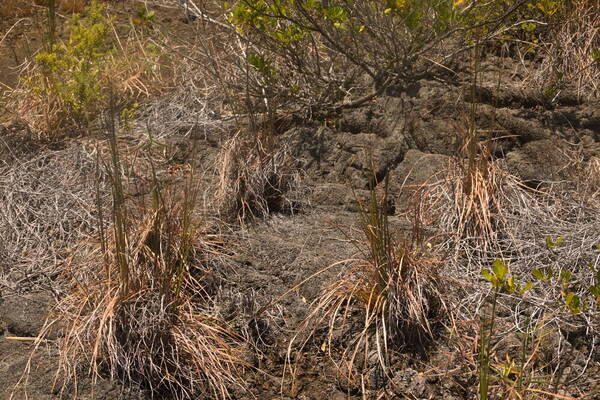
336	14
487	274
500	269
565	275
260	63
510	284
310	5
528	26
595	290
574	303
596	59
538	274
526	288
554	244
490	277
569	299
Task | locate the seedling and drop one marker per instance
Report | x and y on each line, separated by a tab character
553	244
499	279
543	274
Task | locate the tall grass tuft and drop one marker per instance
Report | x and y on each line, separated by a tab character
140	305
400	286
392	284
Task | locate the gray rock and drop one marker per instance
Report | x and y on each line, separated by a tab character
541	161
25	315
417	168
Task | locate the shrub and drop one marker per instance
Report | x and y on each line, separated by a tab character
66	83
308	50
321	53
66	86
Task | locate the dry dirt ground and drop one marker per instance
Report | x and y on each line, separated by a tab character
410	135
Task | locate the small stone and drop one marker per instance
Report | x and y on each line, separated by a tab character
337	395
26	315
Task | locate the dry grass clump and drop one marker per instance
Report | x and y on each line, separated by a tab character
255	178
395	288
139	303
185	112
467	208
478	189
399	282
520	220
142	313
141	67
571	58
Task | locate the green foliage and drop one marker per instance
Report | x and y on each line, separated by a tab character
596	56
547	8
264	16
568	283
127	116
262	64
144	17
288	21
573	302
499	279
314	47
511	372
529	20
543	274
69	75
553	244
594	289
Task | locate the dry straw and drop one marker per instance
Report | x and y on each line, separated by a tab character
518	221
393	286
255	177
